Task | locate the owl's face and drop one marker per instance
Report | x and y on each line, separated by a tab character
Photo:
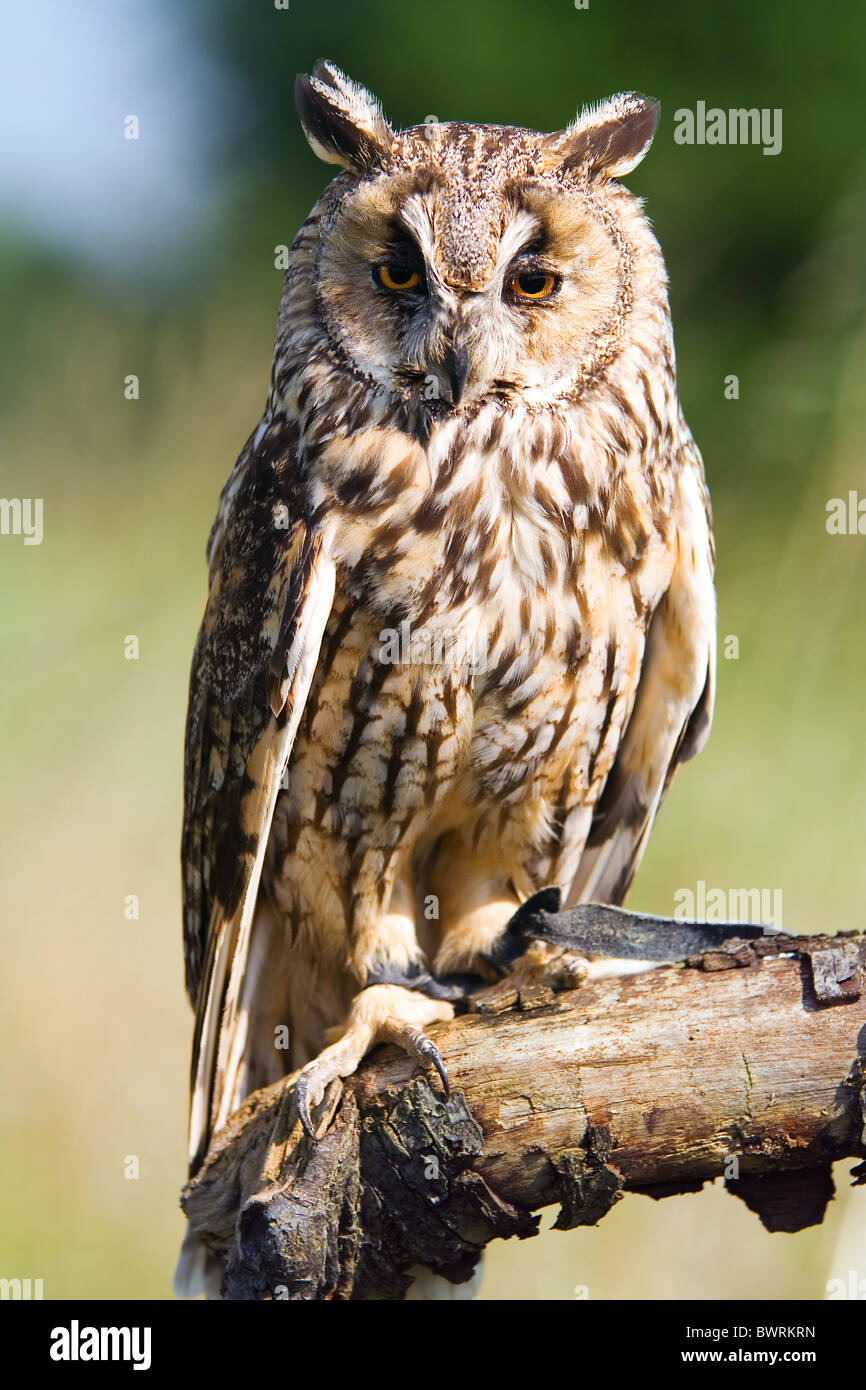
462	262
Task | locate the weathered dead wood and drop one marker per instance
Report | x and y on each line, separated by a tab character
749	1063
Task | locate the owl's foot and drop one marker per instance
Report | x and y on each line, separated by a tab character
380	1013
530	967
530	923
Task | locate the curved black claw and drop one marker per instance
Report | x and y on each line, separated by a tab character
426	1051
302	1102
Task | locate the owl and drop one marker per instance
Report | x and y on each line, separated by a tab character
460	629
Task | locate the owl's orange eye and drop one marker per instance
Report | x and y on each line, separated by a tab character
533	284
397	277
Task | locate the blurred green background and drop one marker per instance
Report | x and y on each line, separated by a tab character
155	258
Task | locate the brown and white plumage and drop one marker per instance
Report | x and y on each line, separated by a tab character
489	473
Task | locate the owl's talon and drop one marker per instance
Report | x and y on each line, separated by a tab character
312	1084
380	1013
413	1041
303	1105
305	1100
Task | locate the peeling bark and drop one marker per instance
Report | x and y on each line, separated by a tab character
747	1062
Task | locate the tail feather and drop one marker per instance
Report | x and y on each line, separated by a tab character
198	1270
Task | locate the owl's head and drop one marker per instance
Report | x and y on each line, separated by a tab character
463	262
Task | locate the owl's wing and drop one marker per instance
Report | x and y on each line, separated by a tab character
271	591
673	708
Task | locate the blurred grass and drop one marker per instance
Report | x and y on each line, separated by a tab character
93	1022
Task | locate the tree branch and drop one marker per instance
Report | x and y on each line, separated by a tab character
748	1062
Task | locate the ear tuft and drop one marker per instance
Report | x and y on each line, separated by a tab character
608	140
342	120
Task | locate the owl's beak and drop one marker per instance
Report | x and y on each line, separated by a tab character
456	364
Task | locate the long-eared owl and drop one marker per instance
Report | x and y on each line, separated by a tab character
460	628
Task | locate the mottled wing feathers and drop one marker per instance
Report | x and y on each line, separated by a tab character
672	713
247	555
270	595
